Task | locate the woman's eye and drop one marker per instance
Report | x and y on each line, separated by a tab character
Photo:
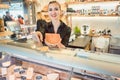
56	9
50	9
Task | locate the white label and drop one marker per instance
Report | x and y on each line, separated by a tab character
4	71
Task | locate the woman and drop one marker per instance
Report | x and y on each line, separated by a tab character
56	25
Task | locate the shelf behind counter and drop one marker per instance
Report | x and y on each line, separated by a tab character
80	42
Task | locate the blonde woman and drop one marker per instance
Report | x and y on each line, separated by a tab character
56	26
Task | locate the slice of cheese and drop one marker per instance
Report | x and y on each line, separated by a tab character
29	73
11	77
4	71
6	64
53	76
75	79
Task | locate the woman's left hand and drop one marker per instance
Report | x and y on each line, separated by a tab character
60	45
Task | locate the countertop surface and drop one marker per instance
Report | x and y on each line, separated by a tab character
6	33
80	42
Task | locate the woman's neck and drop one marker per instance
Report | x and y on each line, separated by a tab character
56	24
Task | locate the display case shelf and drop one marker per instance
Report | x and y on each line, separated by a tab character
79	15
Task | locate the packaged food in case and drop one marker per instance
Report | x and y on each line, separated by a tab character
29	73
53	76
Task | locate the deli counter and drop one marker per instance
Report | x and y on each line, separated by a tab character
68	63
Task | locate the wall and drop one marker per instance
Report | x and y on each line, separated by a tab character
98	23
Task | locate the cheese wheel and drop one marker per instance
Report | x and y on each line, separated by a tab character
52	38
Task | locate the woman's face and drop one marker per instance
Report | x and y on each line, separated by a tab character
54	11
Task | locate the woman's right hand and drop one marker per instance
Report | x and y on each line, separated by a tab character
37	36
60	45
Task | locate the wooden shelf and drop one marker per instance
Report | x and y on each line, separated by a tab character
79	15
74	13
87	2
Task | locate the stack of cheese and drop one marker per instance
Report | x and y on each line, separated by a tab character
52	39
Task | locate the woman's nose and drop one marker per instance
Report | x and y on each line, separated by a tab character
53	12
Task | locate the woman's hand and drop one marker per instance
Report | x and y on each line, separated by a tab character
37	36
60	45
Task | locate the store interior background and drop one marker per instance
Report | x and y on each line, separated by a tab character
95	62
22	7
29	9
95	22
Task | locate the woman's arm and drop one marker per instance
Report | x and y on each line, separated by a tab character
41	24
65	39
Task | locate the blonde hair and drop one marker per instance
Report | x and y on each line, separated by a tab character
39	15
51	2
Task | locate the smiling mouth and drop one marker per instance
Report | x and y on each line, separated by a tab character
53	15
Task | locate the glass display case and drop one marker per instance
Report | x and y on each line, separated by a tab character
64	64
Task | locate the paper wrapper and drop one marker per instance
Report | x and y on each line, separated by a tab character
53	76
